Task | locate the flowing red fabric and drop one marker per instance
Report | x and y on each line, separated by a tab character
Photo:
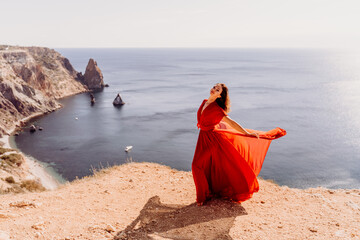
226	162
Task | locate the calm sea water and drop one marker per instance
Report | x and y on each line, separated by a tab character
313	94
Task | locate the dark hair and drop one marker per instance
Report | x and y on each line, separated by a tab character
224	100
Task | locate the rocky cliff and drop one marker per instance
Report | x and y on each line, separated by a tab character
31	79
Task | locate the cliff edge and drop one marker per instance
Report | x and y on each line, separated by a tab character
151	201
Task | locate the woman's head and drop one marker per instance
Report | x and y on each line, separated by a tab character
222	96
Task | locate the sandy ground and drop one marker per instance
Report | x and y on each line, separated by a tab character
151	201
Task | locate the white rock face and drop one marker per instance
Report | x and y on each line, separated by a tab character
31	79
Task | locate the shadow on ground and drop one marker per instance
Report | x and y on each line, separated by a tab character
162	221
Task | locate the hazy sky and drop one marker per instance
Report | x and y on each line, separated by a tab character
180	23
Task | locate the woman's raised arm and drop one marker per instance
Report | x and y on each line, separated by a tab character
238	127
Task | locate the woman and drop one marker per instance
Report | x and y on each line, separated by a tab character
227	157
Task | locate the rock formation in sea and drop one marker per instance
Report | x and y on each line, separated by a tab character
31	79
118	101
93	77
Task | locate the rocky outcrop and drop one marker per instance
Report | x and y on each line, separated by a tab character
31	79
93	77
118	101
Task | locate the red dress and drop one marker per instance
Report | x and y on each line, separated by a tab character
226	162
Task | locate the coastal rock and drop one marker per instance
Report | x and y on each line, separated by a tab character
93	77
110	228
80	76
39	226
118	101
313	229
42	69
32	128
31	79
22	204
92	98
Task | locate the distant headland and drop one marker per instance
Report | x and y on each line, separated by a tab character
32	79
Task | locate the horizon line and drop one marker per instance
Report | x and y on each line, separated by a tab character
177	47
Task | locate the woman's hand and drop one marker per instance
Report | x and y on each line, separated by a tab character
254	134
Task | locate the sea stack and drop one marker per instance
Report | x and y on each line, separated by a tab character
92	98
118	101
93	77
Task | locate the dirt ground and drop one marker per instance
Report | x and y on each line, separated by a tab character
151	201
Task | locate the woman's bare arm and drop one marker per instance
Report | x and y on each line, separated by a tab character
238	127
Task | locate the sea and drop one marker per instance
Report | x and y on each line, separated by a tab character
314	94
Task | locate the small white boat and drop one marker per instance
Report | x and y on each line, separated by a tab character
128	148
